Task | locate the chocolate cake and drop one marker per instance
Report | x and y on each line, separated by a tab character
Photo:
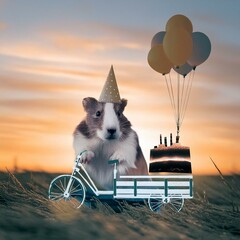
174	159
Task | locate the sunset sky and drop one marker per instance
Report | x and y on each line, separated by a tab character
55	53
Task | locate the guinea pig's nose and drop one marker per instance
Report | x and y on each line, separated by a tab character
111	130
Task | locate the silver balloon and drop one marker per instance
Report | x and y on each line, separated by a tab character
201	49
157	38
184	69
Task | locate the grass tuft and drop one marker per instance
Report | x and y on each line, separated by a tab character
233	192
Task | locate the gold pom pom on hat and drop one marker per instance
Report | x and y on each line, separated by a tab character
110	93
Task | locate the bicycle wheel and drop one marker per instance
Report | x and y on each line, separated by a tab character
69	189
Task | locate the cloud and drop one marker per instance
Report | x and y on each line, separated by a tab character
48	107
21	84
63	46
67	41
58	71
113	40
223	65
40	115
38	82
35	51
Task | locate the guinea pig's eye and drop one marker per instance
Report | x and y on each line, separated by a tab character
118	114
98	114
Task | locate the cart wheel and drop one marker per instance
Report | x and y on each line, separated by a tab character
75	196
157	203
176	202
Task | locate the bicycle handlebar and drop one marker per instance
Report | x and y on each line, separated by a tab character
113	161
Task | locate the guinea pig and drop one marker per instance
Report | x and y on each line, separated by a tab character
107	134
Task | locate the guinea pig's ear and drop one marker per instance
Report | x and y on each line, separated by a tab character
89	103
123	103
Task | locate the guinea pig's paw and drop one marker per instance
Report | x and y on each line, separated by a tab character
118	156
87	156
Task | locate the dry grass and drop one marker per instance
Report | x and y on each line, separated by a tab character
26	213
234	193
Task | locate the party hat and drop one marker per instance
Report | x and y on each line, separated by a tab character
110	93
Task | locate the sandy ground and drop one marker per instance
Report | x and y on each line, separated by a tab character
26	213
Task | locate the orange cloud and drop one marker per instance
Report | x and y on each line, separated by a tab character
57	71
72	43
53	46
35	51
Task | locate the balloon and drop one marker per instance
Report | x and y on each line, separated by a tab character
158	60
157	38
177	45
184	69
179	21
201	49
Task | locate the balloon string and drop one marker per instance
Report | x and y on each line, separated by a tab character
169	93
181	99
189	92
188	95
173	99
174	105
168	90
178	102
185	96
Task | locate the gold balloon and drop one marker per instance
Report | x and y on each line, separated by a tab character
179	21
177	45
158	60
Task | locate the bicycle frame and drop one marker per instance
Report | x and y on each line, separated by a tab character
79	166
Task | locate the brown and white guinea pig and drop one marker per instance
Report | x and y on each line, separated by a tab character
107	134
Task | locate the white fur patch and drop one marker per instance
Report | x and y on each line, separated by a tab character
81	143
98	168
110	121
126	152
